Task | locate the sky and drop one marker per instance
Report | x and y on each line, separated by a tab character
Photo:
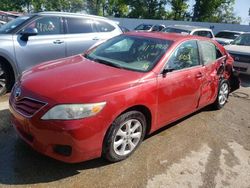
241	8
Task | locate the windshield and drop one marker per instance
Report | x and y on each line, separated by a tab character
227	35
130	52
174	30
143	27
243	40
8	27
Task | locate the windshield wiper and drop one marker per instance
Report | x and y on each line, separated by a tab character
102	61
107	63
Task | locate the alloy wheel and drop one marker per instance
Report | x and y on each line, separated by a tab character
223	93
3	79
127	137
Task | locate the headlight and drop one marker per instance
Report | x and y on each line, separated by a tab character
73	111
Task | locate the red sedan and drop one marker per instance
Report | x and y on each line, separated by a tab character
104	102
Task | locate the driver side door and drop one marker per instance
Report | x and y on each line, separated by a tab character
47	45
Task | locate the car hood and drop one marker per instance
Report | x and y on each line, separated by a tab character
75	79
223	40
238	49
5	37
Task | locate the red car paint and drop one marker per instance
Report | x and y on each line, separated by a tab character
78	80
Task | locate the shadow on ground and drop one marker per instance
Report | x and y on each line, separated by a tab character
245	80
20	164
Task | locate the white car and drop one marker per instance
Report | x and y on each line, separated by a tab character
190	30
225	37
240	51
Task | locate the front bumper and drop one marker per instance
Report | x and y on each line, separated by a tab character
241	67
68	141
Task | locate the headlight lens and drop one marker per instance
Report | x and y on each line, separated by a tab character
73	111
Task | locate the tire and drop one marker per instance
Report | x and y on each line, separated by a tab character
124	136
4	79
222	96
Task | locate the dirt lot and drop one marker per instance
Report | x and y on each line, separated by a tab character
207	149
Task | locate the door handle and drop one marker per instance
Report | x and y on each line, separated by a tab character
95	38
58	42
199	75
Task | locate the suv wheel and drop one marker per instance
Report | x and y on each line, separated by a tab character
4	79
124	136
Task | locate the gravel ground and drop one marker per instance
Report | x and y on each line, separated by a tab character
206	149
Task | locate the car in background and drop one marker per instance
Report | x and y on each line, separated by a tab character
225	37
104	102
149	27
8	16
190	30
31	39
124	29
239	49
2	23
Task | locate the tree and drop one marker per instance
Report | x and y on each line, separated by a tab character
179	9
203	9
117	8
225	13
215	11
146	8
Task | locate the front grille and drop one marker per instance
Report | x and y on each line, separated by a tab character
242	69
26	106
241	58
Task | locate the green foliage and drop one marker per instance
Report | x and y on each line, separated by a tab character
215	11
204	10
179	9
153	9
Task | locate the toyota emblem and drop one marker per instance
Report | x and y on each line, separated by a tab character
18	93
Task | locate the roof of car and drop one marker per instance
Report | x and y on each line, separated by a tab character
187	27
163	35
67	14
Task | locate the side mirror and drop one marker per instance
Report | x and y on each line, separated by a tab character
167	70
27	33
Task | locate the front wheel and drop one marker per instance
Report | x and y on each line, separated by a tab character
124	136
222	95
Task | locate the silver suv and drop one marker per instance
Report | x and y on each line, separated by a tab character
39	37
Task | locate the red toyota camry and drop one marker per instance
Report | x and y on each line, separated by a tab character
104	102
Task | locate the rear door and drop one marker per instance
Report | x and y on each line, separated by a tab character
47	45
212	59
80	35
179	90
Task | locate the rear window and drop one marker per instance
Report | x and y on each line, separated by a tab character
174	30
79	25
143	27
207	34
227	35
103	26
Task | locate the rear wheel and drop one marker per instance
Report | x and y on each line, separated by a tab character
4	79
222	96
124	136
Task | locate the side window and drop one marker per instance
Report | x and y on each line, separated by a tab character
103	26
79	25
47	25
209	52
185	56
